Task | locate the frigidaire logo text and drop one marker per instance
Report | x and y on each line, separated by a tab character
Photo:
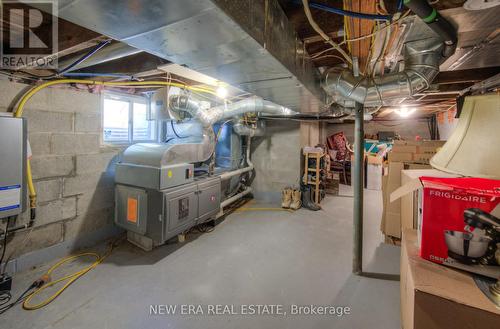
455	196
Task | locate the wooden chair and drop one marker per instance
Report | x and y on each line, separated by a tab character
340	154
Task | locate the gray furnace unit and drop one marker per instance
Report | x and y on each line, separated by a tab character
156	200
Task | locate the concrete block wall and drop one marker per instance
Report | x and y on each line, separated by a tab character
72	169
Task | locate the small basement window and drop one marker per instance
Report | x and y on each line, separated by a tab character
125	119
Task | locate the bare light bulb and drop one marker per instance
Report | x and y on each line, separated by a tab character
405	112
221	92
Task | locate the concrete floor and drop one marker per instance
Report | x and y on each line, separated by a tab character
253	257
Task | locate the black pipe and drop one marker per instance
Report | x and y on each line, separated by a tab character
305	117
436	22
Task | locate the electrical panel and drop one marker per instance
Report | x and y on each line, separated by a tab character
13	155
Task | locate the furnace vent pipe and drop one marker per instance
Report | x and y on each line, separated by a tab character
201	151
210	116
421	65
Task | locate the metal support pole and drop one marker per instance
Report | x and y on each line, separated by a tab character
359	150
358	184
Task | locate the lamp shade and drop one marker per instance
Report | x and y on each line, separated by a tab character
474	147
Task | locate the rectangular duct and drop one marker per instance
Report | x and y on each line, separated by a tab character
247	43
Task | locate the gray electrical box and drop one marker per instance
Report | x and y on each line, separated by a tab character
13	154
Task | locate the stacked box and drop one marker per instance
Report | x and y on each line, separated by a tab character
414	151
404	155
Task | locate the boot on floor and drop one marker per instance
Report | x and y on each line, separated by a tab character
286	197
296	199
307	200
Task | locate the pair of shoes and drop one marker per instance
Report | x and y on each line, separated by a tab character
291	198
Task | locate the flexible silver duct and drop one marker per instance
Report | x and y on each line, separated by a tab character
200	149
422	59
423	54
210	116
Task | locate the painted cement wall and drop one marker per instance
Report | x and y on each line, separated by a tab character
276	157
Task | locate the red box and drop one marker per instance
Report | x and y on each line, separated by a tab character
456	224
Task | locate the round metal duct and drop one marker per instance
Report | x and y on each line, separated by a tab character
473	148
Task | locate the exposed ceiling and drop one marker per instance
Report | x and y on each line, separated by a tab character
476	57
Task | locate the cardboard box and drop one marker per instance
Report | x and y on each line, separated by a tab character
409	201
421	151
427	149
447	207
422	157
374	172
390	224
391	215
400	157
434	143
399	148
437	297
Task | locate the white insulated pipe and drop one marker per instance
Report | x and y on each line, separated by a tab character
236	197
230	174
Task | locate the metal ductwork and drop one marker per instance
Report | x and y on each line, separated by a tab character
108	53
423	52
210	116
198	148
247	44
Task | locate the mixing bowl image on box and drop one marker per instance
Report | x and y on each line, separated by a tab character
464	248
478	244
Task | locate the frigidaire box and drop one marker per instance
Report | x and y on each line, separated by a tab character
459	222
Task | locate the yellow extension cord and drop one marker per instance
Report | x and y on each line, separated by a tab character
32	192
20	107
69	278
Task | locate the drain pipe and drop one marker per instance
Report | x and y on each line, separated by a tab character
238	196
232	199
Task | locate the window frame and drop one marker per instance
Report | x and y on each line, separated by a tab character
130	99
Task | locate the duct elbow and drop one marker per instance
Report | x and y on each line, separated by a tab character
422	60
421	57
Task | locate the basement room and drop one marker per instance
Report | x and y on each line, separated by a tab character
250	164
